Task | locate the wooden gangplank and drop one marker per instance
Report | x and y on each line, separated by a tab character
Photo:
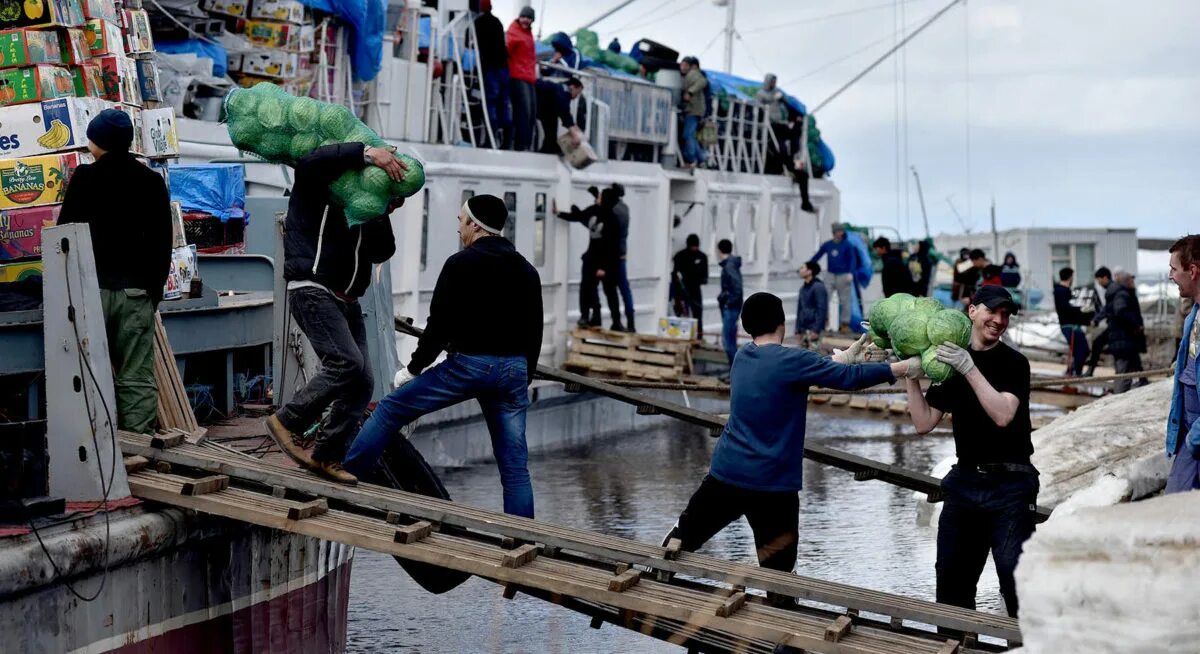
861	467
205	462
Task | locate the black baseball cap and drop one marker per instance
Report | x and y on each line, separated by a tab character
994	297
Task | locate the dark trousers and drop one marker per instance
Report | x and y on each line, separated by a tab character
589	294
547	115
338	335
524	108
693	305
1127	362
982	512
622	282
1098	345
1078	346
496	88
774	518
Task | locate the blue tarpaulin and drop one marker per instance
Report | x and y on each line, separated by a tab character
205	49
217	189
367	20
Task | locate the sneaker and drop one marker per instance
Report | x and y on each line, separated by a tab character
333	471
284	438
617	327
583	323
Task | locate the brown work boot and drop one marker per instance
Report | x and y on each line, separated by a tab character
286	441
333	471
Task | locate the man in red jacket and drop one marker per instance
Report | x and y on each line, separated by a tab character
522	70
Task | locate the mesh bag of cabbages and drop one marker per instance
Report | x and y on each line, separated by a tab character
281	128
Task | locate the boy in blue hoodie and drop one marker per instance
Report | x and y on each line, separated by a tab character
730	298
757	465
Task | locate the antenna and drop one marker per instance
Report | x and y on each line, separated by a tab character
962	223
921	197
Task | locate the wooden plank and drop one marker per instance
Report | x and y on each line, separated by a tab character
626	354
950	647
163	441
135	463
520	556
858	402
671	552
731	605
163	467
510	591
211	484
416	532
838	629
624	581
279	492
307	510
392	518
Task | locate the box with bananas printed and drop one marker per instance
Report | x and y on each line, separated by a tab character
49	126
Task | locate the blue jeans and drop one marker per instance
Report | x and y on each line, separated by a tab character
982	511
691	147
729	325
1077	341
499	383
495	88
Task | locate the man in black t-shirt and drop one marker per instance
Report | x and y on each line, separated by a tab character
991	493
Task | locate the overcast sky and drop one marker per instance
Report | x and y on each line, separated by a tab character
1081	112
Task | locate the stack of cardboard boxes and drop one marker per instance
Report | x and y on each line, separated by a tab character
62	62
286	39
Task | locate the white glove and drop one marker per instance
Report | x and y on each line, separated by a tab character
403	376
955	357
912	368
854	353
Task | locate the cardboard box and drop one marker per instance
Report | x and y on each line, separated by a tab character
178	239
683	329
21	230
28	47
88	80
104	38
159	138
74	46
236	8
274	63
120	78
135	117
41	13
288	11
37	181
102	9
30	130
35	83
283	36
16	272
138	37
148	83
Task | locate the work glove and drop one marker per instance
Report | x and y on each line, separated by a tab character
853	354
956	357
403	376
912	368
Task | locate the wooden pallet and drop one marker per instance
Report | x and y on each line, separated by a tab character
174	410
635	356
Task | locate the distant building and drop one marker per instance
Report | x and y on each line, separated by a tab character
1042	252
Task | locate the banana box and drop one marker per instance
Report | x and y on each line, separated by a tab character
136	23
159	137
19	272
28	47
282	36
35	83
37	181
21	230
148	83
75	48
103	37
680	328
235	8
102	9
285	10
271	63
49	126
40	13
120	78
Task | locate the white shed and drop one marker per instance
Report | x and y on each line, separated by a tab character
1042	252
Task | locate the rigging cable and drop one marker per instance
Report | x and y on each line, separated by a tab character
824	17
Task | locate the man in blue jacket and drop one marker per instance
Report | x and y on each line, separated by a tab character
730	298
1183	423
843	261
757	465
812	307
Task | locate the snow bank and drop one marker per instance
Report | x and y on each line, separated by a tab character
1114	579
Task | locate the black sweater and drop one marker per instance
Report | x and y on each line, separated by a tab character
131	236
488	300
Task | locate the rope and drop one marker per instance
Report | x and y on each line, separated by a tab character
1035	383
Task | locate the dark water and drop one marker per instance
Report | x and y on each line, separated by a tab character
634	486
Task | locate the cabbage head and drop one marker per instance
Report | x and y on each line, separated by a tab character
949	325
885	311
935	370
927	305
909	335
880	342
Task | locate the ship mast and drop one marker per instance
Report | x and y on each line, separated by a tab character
730	33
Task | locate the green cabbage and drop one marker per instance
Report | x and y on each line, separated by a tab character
908	334
927	305
303	143
880	342
303	114
949	325
935	370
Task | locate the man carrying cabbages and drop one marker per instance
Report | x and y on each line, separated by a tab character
991	492
327	264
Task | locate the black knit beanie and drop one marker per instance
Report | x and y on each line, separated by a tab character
111	131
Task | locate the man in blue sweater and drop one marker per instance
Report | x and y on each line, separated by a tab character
843	261
757	464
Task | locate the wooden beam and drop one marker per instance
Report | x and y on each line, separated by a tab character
392	518
278	492
950	647
308	510
624	581
838	629
416	532
520	556
671	552
204	485
510	591
163	467
135	463
864	475
163	441
731	605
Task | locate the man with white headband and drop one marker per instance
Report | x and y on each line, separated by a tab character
486	313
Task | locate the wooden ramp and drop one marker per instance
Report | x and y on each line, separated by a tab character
637	585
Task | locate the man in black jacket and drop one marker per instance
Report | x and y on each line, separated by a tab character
327	264
689	271
1126	331
601	260
896	276
1071	320
486	312
493	59
131	241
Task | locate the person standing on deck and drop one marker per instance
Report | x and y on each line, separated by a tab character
493	60
990	495
327	264
621	217
895	276
600	258
694	83
758	463
843	261
131	243
522	71
486	312
730	298
812	307
1071	320
689	271
1183	422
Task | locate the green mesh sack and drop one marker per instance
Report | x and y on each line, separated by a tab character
275	146
375	181
364	134
272	113
303	143
303	114
337	122
414	178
